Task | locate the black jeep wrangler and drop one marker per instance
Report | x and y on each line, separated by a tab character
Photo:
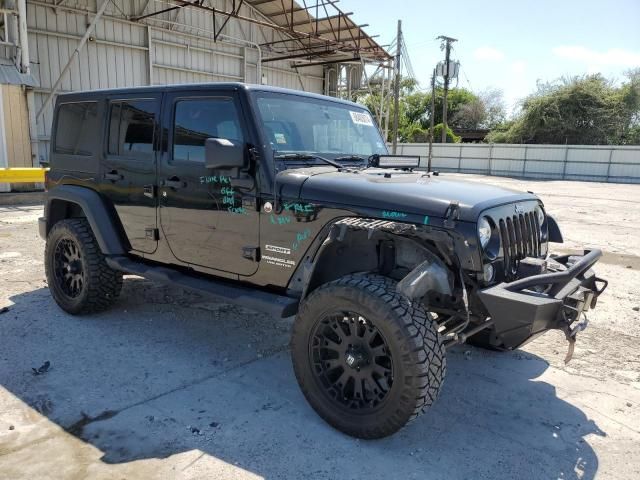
289	203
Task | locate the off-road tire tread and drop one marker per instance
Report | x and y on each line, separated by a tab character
104	283
424	354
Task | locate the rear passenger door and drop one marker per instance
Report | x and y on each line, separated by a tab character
128	173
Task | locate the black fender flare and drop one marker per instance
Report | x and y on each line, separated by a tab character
555	235
105	228
335	231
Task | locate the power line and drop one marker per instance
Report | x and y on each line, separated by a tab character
407	62
467	79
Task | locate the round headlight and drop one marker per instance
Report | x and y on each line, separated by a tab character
484	231
540	215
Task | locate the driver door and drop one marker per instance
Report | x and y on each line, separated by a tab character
208	216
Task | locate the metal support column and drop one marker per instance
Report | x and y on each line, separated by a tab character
4	159
150	55
25	67
609	164
564	164
490	166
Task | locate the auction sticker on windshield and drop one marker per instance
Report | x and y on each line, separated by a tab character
361	118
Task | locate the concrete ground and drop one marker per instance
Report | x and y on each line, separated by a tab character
170	385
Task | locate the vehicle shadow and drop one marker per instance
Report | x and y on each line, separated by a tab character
166	372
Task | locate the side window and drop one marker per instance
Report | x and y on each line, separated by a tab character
131	126
197	119
75	125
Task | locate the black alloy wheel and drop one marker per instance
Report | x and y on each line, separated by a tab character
79	278
351	360
367	360
68	267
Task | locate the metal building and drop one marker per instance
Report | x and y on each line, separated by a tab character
53	46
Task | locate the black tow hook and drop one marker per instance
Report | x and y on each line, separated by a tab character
570	334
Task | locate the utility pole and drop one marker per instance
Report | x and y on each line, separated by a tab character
447	75
396	88
433	114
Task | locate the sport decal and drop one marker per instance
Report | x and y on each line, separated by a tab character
276	249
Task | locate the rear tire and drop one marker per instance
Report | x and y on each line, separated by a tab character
79	278
366	359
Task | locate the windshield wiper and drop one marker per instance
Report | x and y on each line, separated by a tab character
307	156
351	157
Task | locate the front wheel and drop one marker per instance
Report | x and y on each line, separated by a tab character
366	359
79	278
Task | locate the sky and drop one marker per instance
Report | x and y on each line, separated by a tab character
510	44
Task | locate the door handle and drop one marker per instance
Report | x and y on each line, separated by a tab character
113	176
173	182
149	191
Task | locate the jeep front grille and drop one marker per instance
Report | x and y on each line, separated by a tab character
519	238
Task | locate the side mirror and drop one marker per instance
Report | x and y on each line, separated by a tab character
223	153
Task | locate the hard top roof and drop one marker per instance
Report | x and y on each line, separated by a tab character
78	95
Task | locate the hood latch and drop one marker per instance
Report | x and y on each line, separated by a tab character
451	215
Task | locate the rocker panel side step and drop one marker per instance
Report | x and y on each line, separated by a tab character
271	303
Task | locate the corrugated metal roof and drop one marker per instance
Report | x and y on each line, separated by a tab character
9	75
315	31
328	31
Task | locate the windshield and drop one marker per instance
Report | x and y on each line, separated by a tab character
297	124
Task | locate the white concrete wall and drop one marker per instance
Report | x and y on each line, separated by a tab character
568	162
175	47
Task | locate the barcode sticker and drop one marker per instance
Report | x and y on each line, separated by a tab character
361	118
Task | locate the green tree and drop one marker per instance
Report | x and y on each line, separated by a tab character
495	108
414	109
633	136
588	110
437	134
459	101
470	115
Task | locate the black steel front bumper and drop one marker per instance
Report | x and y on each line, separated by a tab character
524	308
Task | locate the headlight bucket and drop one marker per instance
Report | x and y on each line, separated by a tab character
488	237
541	216
484	231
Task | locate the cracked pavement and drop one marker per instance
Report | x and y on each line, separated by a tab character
169	384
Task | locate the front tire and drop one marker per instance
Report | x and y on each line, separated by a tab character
79	279
367	360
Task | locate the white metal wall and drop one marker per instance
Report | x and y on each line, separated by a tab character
175	47
559	162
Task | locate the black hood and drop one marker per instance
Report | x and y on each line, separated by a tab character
394	190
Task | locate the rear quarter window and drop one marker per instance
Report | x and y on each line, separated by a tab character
75	127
